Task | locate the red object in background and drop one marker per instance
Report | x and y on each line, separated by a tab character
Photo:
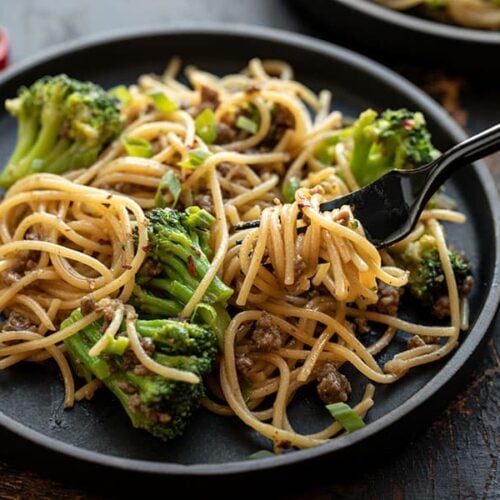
4	48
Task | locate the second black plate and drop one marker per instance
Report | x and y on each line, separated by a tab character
378	29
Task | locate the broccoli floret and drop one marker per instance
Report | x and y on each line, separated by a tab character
160	406
178	259
178	250
396	139
181	338
63	124
427	282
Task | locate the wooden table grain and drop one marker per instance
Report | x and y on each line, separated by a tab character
456	456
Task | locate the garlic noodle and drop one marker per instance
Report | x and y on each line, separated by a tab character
307	284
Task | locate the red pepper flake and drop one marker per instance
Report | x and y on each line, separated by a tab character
190	266
126	266
146	248
408	124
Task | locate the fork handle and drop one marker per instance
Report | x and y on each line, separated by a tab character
474	148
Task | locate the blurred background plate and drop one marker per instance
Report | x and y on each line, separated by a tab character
405	35
97	433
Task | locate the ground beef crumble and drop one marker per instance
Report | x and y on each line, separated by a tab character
150	268
244	364
87	305
148	345
429	339
421	340
127	388
441	308
209	98
362	325
414	341
204	201
388	299
466	286
283	120
225	133
10	277
333	387
134	402
266	336
142	370
17	322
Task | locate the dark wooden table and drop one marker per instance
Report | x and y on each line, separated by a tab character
457	456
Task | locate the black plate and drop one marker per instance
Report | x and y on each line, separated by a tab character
406	35
98	432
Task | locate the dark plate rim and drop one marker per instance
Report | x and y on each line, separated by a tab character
451	367
426	26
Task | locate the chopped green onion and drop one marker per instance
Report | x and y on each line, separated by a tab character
138	147
162	102
122	93
204	314
354	224
206	127
169	184
117	346
199	218
346	416
196	157
289	188
246	124
260	454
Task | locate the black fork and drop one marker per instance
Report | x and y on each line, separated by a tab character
389	208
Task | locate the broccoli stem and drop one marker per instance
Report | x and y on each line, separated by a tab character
27	133
78	346
222	320
71	158
46	141
173	287
362	145
150	304
177	269
60	148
